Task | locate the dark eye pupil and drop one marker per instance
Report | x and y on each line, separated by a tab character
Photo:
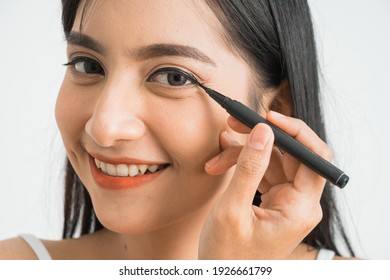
93	67
176	79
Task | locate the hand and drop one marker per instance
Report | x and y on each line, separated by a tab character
291	192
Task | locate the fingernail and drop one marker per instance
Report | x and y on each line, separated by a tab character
259	138
213	161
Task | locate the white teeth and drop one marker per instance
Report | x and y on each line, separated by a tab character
153	168
103	167
97	162
133	170
142	168
124	170
111	169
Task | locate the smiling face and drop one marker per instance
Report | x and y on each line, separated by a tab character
136	131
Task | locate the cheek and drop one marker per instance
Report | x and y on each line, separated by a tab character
72	113
190	130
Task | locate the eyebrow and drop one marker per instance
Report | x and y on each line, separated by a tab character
158	50
150	51
80	39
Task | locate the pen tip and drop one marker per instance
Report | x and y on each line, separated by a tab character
202	86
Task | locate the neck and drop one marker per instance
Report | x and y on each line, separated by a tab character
178	240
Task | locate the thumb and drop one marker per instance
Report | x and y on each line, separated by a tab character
251	165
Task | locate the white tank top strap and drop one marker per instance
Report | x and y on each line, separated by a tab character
37	246
325	254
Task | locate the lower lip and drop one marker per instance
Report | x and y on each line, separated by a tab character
120	183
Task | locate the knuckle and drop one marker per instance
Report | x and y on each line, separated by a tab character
326	152
226	217
301	125
329	153
250	166
309	219
319	215
314	218
232	218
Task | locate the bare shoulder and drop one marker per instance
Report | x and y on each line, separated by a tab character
86	247
16	249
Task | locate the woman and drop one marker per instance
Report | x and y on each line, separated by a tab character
150	156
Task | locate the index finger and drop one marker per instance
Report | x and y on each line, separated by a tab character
238	126
305	177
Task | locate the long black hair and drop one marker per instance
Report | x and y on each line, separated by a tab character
276	38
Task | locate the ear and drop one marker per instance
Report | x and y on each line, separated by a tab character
280	99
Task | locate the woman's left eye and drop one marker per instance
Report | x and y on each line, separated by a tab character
171	77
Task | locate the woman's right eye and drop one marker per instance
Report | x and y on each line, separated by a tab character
86	65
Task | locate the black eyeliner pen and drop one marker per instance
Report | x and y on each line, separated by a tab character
284	141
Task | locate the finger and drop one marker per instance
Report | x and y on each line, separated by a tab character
275	173
227	158
264	186
290	167
305	135
307	179
238	126
251	166
301	132
223	161
227	140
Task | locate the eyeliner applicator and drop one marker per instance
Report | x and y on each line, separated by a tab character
284	141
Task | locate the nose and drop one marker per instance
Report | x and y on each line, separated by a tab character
116	115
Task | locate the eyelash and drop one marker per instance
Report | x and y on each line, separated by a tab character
173	71
74	61
97	69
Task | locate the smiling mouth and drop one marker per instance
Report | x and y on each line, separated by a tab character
128	170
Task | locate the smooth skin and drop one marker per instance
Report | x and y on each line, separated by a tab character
200	207
233	226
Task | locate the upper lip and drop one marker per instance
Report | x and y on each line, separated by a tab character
125	160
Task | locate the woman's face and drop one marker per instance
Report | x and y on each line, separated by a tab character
117	106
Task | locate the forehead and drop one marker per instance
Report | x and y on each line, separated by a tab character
147	22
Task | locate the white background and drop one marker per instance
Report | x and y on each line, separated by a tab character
354	53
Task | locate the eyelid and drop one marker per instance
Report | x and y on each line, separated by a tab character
75	59
164	70
79	58
82	58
